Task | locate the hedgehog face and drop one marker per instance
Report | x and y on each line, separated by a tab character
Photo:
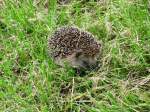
86	62
80	60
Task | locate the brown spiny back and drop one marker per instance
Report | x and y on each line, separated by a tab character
67	40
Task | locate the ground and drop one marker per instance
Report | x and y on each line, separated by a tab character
31	82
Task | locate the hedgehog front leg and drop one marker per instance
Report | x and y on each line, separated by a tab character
80	72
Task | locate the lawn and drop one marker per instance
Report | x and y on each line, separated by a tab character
31	82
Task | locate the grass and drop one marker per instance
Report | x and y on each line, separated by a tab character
31	82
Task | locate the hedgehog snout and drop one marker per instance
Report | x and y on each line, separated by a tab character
93	63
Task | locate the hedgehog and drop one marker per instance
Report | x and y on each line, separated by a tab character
69	45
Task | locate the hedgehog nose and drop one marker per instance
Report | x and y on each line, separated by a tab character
95	66
91	67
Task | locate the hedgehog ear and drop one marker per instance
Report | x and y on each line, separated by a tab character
78	53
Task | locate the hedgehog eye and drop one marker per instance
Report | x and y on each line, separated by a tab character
78	53
85	64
